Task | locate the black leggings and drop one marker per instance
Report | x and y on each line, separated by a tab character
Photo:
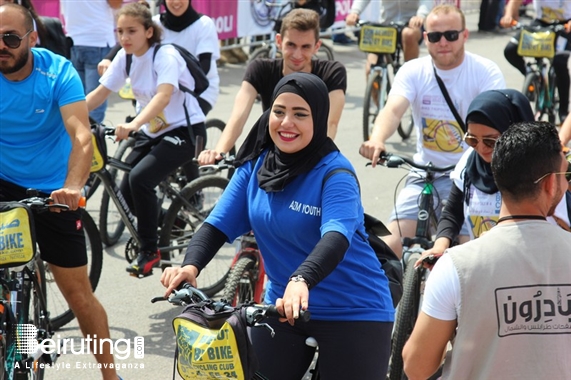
153	160
347	350
559	66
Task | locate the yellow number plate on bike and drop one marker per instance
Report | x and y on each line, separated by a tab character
536	44
378	39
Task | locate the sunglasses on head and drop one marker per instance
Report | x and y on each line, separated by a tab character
13	41
473	140
450	35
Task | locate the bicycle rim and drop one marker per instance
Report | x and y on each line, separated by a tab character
111	226
375	98
183	219
406	317
325	53
60	314
241	281
261	52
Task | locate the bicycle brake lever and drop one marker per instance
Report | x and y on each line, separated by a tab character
157	299
267	327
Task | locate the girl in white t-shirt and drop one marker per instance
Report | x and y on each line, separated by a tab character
168	121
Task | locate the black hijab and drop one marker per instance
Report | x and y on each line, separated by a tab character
281	168
497	109
179	23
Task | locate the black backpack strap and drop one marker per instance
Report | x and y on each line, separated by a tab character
568	199
339	170
449	101
128	62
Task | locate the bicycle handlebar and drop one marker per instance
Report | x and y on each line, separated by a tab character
40	204
188	295
555	26
392	160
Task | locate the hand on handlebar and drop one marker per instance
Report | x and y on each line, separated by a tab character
173	277
430	256
415	22
351	19
296	297
123	131
209	157
66	196
507	21
372	150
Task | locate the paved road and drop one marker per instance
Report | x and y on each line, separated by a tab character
127	299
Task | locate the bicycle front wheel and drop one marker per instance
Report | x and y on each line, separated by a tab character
532	90
406	124
111	226
183	218
241	281
406	316
378	87
60	313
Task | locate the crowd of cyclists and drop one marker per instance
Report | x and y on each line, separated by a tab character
318	260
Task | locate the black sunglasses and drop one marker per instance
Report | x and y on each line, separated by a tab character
13	41
450	35
473	141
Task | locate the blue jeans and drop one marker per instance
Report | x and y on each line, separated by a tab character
85	60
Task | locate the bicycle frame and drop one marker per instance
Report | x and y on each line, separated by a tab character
124	211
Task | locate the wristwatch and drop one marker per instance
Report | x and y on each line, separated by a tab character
299	278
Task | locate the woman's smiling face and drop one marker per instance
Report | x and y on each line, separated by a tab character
291	123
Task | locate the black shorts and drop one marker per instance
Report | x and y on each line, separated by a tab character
60	236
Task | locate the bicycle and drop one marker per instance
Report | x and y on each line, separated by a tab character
254	314
25	322
110	225
539	86
275	11
183	208
246	279
414	278
60	313
383	40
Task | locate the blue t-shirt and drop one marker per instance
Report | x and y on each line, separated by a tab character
287	226
34	144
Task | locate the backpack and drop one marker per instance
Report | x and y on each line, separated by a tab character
328	13
56	40
213	343
390	263
201	82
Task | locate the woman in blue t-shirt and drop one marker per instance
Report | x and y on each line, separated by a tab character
312	239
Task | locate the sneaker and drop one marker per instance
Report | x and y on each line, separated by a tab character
144	264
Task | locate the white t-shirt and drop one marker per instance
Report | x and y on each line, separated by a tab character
439	137
200	37
552	10
89	23
168	68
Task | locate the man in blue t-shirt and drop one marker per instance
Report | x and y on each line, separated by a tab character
45	144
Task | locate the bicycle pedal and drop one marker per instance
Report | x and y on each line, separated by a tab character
140	275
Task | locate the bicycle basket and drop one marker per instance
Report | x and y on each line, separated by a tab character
378	39
537	44
17	234
99	159
213	345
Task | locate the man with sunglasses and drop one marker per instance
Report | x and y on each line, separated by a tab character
504	297
439	132
45	144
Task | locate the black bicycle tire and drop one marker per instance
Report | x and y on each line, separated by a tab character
217	123
39	269
553	112
369	117
232	292
406	130
261	52
328	51
406	317
95	266
110	238
533	79
170	218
